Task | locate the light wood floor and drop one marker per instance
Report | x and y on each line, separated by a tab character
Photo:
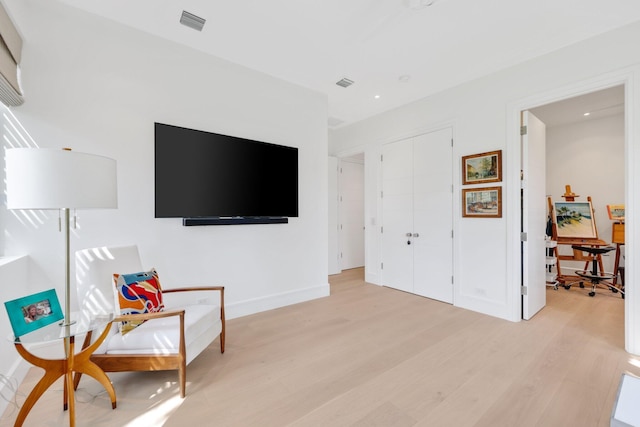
373	356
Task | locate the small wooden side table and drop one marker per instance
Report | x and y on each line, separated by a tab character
66	366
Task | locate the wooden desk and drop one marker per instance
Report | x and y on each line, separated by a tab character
72	362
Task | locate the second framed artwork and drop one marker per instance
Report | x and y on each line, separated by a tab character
482	168
482	202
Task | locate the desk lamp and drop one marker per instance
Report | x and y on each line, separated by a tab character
61	180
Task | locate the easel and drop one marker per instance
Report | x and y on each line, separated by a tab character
564	279
617	237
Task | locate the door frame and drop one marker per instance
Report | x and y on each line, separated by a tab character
340	156
629	78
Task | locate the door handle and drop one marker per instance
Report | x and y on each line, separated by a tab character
416	235
409	234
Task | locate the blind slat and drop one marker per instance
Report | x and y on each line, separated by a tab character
10	55
10	36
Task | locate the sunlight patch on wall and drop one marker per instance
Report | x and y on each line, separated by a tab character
14	135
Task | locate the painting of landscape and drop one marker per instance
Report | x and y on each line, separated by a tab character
482	168
575	220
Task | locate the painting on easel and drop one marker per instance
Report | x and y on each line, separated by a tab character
575	220
616	212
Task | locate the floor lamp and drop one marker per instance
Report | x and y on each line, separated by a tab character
62	180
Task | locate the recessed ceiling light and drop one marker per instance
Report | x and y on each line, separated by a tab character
376	96
586	114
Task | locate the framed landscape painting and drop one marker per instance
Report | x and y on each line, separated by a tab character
482	168
574	220
482	202
616	212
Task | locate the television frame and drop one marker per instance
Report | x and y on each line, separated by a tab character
228	212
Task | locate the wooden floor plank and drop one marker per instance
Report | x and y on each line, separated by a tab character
373	356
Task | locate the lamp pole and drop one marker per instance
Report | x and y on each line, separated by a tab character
67	270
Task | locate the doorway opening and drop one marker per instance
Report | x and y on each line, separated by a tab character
351	222
584	141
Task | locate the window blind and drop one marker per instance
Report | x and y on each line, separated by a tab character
10	52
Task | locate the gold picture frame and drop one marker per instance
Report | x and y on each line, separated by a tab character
482	202
482	168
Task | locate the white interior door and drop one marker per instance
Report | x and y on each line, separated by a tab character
397	215
351	214
417	215
534	215
433	215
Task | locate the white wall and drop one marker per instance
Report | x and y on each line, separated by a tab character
98	87
589	156
13	274
484	118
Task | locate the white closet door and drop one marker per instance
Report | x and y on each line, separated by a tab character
433	215
397	215
417	215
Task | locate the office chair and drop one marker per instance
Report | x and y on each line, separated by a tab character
594	276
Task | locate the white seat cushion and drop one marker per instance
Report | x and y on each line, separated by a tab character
162	336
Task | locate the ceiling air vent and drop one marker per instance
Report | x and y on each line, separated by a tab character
345	82
192	21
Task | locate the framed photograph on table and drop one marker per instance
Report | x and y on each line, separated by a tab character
482	168
482	202
33	312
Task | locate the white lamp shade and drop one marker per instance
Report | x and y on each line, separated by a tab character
55	179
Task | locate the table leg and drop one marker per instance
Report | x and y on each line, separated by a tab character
55	368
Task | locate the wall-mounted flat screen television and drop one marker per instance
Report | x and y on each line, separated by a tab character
207	175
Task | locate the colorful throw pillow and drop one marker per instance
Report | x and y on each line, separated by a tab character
138	293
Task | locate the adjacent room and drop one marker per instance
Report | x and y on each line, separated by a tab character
319	213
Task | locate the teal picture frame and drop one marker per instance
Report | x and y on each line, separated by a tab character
24	320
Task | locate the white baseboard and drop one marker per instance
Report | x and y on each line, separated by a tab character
257	305
372	278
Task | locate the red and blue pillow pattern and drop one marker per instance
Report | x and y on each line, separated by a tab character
138	293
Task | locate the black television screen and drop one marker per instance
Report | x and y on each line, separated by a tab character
203	174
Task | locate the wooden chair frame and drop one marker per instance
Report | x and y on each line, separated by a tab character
154	362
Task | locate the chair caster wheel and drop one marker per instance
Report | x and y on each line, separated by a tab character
592	294
567	287
614	290
581	285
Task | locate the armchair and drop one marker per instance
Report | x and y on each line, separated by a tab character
167	340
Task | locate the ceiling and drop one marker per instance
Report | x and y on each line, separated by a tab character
591	106
398	50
